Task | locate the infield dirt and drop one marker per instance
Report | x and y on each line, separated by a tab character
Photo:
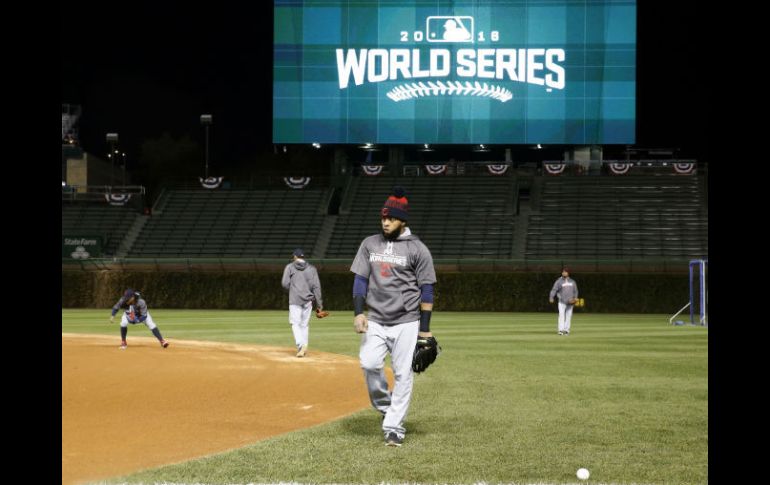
126	410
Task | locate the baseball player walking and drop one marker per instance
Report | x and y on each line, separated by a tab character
394	275
136	313
567	290
301	279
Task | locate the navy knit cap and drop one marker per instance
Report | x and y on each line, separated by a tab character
299	253
128	294
397	206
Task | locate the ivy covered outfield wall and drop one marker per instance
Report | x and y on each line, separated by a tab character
455	291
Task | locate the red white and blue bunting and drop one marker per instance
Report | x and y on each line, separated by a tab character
372	169
211	182
554	168
435	169
497	169
684	168
620	168
117	199
297	182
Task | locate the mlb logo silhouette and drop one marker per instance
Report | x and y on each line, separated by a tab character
449	28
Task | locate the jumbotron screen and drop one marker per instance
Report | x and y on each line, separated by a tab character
451	72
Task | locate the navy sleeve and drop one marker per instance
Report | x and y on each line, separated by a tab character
426	293
118	305
360	286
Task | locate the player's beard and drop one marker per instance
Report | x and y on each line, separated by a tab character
393	235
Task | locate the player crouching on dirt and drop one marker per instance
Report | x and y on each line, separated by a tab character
136	313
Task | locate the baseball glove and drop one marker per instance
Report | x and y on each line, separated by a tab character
578	302
321	313
425	353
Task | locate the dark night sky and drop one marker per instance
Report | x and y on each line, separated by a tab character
140	69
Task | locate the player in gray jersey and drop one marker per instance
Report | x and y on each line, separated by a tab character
301	279
136	313
394	276
567	291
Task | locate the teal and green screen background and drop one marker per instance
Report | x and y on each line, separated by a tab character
595	103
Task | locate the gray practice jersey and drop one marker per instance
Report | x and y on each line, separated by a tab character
395	270
140	307
566	289
301	279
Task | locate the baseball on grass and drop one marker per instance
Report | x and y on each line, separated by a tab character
583	474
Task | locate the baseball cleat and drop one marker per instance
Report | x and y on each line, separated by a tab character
561	333
302	351
163	344
123	345
393	440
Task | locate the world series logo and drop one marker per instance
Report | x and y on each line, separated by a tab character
469	72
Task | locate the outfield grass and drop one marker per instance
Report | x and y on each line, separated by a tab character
508	401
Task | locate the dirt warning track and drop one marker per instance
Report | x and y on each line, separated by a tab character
125	410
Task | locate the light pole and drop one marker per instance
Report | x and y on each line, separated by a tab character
123	158
206	121
112	140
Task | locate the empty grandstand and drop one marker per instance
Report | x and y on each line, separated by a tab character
111	223
624	217
588	218
232	223
457	217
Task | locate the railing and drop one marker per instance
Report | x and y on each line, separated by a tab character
451	168
619	167
98	192
667	265
244	182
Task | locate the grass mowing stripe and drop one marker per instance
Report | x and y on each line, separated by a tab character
508	401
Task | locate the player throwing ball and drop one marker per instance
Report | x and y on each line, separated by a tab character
394	276
136	313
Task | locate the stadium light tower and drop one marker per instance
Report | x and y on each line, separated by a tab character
123	162
206	121
112	141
